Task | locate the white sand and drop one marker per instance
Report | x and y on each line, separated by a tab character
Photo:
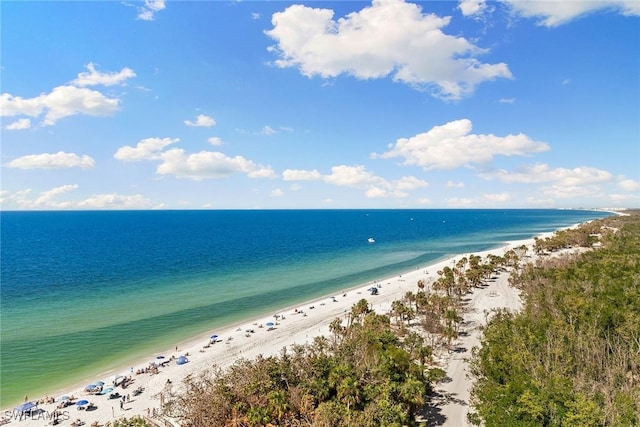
296	328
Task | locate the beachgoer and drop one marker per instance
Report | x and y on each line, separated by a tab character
121	405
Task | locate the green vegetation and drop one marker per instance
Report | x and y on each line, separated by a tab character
128	422
572	356
362	375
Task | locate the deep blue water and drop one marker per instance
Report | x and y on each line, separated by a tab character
83	291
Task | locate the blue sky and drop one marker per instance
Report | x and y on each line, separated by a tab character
383	104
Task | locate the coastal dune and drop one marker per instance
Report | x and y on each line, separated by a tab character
291	325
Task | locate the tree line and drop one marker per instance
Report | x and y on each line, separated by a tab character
571	357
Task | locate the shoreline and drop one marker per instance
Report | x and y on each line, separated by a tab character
301	324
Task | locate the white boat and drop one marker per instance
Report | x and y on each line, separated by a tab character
371	240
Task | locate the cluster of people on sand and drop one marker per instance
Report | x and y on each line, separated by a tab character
151	369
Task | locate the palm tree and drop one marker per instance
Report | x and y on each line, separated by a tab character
349	392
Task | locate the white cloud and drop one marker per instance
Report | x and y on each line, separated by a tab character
94	77
63	101
268	130
201	121
629	185
67	100
149	9
116	201
358	177
352	176
542	173
472	7
19	125
255	16
214	140
389	38
556	13
46	198
146	149
452	145
301	175
60	160
507	100
49	199
277	193
208	164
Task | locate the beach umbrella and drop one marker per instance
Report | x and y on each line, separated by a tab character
27	406
214	336
269	324
182	360
99	383
63	398
160	357
82	402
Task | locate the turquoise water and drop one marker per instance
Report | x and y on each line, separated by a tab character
86	292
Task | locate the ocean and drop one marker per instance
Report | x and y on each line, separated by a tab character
86	292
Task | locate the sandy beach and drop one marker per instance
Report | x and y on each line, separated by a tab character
294	325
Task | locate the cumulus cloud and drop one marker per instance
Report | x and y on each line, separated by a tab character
146	149
389	38
93	77
542	173
453	145
20	124
67	100
556	13
147	12
201	121
59	160
358	177
62	101
472	7
208	164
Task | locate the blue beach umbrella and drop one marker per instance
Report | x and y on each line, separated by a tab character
28	406
213	337
160	357
269	324
82	402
